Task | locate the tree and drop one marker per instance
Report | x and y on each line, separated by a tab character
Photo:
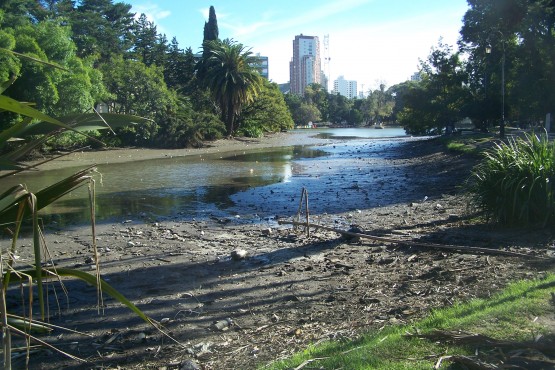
231	77
211	34
267	113
145	41
318	96
56	91
179	66
139	89
378	106
521	37
339	108
438	101
101	28
211	31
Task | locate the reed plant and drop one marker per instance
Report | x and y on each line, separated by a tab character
514	183
19	207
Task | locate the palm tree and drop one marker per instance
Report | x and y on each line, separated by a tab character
232	78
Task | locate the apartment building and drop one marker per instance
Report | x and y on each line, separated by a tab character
347	88
305	68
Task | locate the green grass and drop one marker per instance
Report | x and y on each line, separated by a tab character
468	143
506	316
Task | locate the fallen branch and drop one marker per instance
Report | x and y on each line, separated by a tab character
461	249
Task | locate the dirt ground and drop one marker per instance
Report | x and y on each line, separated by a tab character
238	296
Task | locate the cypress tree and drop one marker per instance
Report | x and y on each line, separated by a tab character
211	27
210	34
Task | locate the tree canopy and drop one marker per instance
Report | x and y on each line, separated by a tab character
114	59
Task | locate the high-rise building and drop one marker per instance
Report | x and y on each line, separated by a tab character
345	87
305	68
262	66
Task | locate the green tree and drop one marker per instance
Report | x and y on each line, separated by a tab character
318	96
145	41
438	101
232	79
521	37
211	31
210	34
56	91
101	28
179	66
139	89
339	108
267	113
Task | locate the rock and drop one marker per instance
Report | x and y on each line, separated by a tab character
222	325
189	365
239	254
266	232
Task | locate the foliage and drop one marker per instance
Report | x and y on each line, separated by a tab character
186	127
139	89
514	182
19	206
231	77
211	31
267	113
520	36
378	106
437	102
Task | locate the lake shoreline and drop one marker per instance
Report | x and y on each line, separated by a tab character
121	155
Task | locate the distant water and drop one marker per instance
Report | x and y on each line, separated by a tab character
364	132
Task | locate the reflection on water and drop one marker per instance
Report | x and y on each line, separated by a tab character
192	186
363	132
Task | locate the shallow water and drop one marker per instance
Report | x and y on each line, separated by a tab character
252	185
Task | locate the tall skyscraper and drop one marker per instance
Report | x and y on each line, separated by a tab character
305	68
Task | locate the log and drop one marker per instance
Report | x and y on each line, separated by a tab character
458	248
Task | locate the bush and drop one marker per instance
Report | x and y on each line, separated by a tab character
514	182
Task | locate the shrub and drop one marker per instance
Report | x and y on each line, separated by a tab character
513	184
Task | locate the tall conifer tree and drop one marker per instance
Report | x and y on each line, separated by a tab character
211	27
211	33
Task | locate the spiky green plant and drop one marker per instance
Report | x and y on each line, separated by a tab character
514	183
18	206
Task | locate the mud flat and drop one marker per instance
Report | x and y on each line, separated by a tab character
285	289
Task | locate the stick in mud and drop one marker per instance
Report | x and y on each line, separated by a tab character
460	249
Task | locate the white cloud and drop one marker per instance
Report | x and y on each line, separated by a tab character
153	14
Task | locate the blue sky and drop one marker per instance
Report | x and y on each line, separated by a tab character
370	41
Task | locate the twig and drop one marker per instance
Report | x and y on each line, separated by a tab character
461	249
307	362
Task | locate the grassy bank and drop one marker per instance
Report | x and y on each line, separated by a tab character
522	312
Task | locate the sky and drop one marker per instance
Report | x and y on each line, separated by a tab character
370	41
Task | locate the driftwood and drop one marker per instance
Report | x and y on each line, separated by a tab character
460	249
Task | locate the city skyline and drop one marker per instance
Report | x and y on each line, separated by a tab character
370	41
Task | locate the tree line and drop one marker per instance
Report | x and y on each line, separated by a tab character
110	56
503	72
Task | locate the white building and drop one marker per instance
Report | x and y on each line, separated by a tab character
305	68
345	87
